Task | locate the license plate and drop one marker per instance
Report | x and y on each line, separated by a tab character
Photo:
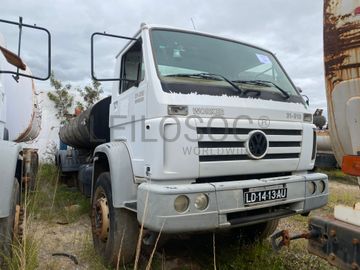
260	196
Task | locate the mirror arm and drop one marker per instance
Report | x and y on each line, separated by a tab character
16	76
307	99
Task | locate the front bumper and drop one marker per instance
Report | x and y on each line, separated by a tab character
226	203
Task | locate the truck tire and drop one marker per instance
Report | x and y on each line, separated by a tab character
7	228
112	228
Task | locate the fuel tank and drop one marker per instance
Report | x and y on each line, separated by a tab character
90	128
342	71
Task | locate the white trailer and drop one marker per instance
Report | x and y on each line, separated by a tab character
20	122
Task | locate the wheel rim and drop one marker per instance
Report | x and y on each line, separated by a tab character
101	217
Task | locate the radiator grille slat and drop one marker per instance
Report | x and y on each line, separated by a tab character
215	144
284	144
216	130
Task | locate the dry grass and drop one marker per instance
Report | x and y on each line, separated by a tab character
24	255
48	204
25	251
139	243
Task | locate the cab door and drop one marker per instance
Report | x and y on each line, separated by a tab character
127	110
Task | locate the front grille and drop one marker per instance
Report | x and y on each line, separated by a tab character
228	144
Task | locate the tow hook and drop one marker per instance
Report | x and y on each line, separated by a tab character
285	238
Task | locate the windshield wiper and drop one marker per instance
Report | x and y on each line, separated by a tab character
265	83
209	76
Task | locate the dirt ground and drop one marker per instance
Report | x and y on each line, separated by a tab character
56	238
75	239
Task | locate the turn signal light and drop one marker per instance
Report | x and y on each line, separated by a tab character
308	117
351	165
177	110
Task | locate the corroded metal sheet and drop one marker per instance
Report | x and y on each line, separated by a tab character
342	67
341	41
90	128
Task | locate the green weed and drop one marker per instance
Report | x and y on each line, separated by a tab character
53	200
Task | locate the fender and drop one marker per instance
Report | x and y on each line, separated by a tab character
8	159
119	164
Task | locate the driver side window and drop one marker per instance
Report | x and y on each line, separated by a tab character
132	67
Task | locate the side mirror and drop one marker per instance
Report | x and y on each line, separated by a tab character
299	89
15	60
93	36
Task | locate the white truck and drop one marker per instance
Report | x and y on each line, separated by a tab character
20	121
201	133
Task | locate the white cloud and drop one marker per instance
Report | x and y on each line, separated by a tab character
291	29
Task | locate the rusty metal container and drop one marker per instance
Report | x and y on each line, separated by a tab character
342	71
88	129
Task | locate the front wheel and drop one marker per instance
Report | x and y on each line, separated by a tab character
259	231
249	234
9	227
115	231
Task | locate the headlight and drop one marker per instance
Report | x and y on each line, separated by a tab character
311	186
181	203
308	117
201	202
322	186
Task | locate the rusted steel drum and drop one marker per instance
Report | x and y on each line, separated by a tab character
90	128
342	71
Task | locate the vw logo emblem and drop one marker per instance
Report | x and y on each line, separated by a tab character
257	144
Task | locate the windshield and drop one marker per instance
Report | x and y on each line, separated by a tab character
180	57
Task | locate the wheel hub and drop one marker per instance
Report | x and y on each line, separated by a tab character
102	218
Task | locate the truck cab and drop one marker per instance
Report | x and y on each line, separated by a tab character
206	134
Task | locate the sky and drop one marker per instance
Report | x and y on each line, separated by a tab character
290	29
